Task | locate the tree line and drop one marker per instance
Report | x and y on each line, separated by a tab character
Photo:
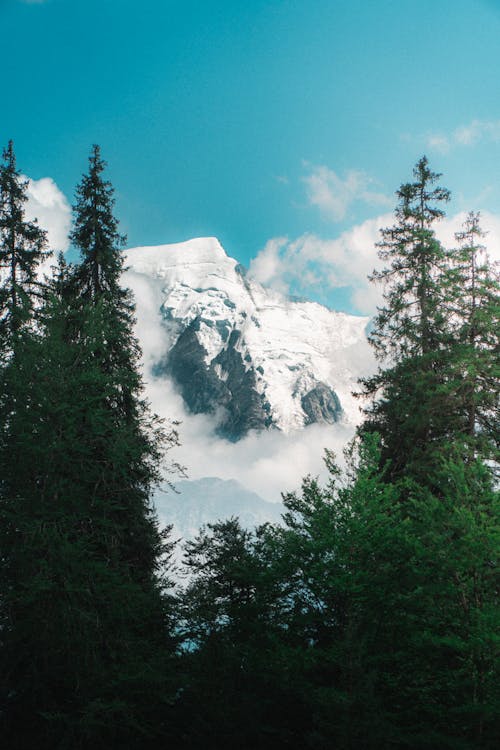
367	619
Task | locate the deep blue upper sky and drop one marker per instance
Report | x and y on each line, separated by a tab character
216	116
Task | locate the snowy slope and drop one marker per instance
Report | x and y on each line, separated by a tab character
265	360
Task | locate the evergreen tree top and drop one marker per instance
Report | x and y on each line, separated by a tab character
411	319
419	200
12	189
22	248
95	232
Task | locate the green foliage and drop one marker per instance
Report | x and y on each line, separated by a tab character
474	301
237	691
379	595
395	599
436	338
95	233
368	619
22	248
411	321
87	645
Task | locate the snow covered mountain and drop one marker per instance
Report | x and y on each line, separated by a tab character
249	356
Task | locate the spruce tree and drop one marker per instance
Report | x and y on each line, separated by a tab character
97	290
411	332
22	248
436	337
410	322
87	643
474	301
435	397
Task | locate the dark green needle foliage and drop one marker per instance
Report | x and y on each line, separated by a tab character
88	646
411	331
22	248
394	607
436	337
474	301
367	620
240	687
382	627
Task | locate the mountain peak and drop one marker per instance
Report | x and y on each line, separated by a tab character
159	258
249	356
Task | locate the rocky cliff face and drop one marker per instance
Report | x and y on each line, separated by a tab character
251	357
225	384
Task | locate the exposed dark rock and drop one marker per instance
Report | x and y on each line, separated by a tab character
203	390
245	410
321	404
199	385
224	329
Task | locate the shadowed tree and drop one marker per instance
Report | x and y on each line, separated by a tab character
88	639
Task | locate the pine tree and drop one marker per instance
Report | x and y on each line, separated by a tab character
410	322
96	285
474	300
97	279
238	689
22	248
435	399
87	643
411	332
436	338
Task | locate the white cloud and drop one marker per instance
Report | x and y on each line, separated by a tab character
490	223
334	195
465	135
439	143
267	266
312	266
50	207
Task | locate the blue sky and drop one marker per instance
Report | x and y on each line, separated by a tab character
258	121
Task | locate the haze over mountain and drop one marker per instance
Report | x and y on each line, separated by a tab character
203	501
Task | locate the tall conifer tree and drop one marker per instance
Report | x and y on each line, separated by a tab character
411	330
22	248
108	322
87	645
474	300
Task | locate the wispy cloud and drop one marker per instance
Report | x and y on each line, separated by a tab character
334	195
465	135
